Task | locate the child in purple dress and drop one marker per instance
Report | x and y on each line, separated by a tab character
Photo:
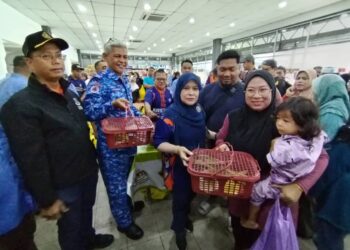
292	155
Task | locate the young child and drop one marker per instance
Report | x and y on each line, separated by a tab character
181	130
292	155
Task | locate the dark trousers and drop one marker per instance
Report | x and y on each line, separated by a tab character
328	236
22	237
244	237
75	231
182	197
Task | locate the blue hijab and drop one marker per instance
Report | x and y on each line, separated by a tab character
189	120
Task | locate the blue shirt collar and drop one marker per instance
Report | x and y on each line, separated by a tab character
112	75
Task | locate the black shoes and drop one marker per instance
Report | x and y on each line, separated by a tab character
101	241
133	231
181	241
189	226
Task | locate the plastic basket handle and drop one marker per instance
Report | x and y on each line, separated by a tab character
128	110
229	164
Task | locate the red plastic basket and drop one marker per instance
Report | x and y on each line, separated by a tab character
127	131
223	173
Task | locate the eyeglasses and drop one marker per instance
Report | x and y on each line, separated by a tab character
261	92
161	79
50	57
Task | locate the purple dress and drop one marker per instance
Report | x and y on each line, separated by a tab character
291	158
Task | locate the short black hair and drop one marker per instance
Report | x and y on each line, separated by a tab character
19	61
270	62
96	63
186	61
158	71
282	68
305	114
228	54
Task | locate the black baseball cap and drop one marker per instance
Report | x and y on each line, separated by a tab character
38	39
76	66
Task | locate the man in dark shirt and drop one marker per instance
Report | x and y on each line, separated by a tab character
270	66
76	79
49	138
219	99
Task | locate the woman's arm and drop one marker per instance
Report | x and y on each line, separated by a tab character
223	132
182	152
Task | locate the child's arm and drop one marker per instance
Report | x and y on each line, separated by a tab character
281	153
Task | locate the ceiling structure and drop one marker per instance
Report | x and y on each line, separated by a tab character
165	27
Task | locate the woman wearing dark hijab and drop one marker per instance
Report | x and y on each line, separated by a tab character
252	129
182	130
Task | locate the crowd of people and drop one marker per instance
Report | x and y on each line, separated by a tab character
298	133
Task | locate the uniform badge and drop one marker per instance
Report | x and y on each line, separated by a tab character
198	108
46	35
77	103
95	88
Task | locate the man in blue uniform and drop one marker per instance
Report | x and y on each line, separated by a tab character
76	80
109	95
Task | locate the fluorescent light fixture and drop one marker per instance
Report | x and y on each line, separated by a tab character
191	20
207	34
134	28
154	45
170	49
191	41
179	46
284	30
282	4
147	7
98	41
81	8
232	24
94	34
148	48
162	39
131	37
144	51
89	24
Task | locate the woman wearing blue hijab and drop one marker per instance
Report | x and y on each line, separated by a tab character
182	130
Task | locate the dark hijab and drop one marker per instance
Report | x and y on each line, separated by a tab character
252	131
189	120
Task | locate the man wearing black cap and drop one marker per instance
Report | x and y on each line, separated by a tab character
270	66
49	139
76	80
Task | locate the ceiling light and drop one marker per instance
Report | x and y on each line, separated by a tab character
170	49
191	20
98	41
232	24
191	41
81	8
89	24
154	45
148	48
144	51
94	34
127	44
179	46
163	39
207	34
284	30
134	28
282	4
131	37
147	7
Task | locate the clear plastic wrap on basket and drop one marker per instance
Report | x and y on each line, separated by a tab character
127	131
228	173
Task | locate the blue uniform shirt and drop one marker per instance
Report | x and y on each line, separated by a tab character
101	92
148	80
15	201
79	85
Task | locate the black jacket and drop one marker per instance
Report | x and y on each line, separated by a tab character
49	139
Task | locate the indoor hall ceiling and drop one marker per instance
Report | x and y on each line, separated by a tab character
96	21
